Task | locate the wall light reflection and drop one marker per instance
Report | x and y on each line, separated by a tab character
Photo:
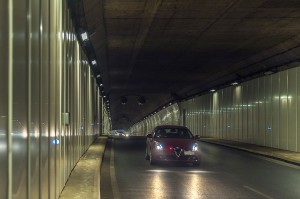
36	133
283	97
52	134
24	133
3	144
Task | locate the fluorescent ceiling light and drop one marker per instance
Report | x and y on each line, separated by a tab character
268	73
141	100
84	36
212	90
124	100
94	62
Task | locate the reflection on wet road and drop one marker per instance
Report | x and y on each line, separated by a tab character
224	173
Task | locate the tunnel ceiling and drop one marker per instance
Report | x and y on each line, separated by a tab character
169	50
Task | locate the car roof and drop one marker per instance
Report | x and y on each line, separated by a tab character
170	126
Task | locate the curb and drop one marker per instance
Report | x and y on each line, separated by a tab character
253	152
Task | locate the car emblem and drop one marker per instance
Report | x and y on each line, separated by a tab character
177	151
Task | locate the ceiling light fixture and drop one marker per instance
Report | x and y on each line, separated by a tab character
141	100
94	62
212	90
84	36
234	83
124	100
268	72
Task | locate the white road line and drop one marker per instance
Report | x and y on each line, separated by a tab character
258	192
113	179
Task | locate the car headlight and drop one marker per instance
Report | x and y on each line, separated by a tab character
158	146
195	147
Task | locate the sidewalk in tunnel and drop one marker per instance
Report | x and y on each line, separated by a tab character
84	181
278	154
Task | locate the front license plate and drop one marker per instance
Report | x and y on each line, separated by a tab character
189	153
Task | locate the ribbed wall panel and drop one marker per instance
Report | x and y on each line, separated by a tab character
292	110
4	62
264	111
49	79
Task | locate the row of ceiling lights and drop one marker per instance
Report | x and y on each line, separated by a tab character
268	72
84	37
170	103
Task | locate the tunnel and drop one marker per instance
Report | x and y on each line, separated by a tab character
85	83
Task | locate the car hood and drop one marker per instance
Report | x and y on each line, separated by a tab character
185	144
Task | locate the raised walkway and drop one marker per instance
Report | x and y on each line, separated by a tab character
84	181
279	154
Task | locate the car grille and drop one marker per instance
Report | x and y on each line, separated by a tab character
180	158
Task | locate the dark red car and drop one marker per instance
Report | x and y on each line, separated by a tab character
172	143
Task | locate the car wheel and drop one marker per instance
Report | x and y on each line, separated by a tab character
147	157
196	164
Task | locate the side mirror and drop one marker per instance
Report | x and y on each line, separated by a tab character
197	137
149	136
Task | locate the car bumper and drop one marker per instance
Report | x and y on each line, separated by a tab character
174	158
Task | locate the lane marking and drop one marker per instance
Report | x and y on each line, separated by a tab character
113	179
258	192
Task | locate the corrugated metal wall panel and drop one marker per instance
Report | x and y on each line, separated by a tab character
262	111
47	67
4	64
275	110
292	110
269	113
283	107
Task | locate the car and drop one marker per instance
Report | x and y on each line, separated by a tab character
171	143
118	134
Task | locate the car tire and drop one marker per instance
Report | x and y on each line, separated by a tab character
196	164
147	157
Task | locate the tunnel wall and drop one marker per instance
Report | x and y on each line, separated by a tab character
49	102
264	111
169	115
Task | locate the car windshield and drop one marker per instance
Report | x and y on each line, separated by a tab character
173	133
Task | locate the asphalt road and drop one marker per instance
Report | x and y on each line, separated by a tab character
223	173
